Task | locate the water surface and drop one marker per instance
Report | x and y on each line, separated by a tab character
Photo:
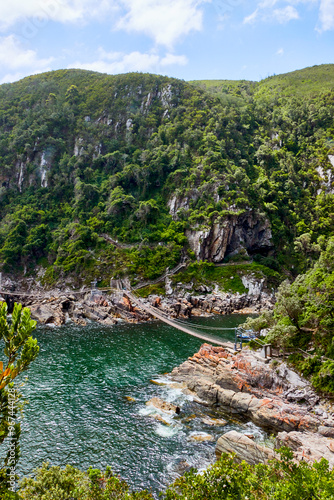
78	411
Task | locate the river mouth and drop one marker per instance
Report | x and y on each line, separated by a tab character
87	395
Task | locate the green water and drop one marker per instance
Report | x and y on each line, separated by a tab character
78	412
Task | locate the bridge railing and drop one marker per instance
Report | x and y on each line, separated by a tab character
243	335
161	278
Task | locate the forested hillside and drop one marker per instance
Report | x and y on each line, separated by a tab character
123	175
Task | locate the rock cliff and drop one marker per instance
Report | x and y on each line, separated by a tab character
246	233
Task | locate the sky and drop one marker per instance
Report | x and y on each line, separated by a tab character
187	39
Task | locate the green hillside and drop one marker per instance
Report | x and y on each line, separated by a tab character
149	162
299	83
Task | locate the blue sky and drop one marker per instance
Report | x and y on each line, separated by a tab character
188	39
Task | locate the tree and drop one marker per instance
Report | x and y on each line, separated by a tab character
20	350
72	94
303	317
303	245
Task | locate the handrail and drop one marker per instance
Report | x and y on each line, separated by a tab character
161	278
154	312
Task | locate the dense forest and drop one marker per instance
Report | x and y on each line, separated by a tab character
107	176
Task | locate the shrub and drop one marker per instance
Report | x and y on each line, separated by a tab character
310	365
279	480
324	379
56	483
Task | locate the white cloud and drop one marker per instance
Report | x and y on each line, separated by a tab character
13	56
252	17
285	15
11	77
280	52
39	11
265	12
326	15
164	21
118	62
171	59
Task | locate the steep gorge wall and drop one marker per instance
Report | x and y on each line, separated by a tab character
235	234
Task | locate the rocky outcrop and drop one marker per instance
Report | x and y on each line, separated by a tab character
236	234
273	397
326	177
47	314
307	446
185	303
243	448
56	307
104	310
270	394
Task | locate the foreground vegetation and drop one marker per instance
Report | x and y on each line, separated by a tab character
20	350
280	479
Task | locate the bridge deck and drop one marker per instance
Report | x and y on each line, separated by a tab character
153	311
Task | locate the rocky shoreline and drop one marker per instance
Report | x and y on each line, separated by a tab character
56	307
270	394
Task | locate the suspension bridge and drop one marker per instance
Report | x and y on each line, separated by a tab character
120	287
194	330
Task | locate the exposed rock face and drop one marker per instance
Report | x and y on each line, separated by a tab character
255	286
275	398
46	314
236	233
57	310
307	446
326	177
181	303
243	447
177	203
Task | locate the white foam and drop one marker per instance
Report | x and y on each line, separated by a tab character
162	380
167	432
148	410
153	410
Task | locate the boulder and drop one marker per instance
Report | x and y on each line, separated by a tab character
218	422
46	314
201	437
244	448
159	418
326	431
164	406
